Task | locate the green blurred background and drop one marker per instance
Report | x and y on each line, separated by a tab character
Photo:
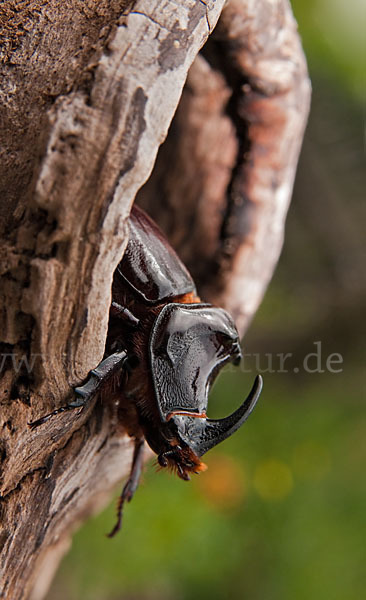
280	513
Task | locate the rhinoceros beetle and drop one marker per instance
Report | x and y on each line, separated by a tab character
164	348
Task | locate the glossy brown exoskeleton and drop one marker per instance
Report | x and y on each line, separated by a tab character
169	347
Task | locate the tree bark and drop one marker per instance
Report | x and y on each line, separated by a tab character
88	93
232	152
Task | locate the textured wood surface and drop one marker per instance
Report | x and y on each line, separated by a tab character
232	152
88	93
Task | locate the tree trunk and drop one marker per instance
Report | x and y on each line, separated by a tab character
88	93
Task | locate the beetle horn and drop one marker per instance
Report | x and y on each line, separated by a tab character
217	430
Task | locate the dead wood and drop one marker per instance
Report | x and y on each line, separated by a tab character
232	153
88	92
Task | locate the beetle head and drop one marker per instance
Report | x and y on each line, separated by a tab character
182	460
185	438
188	346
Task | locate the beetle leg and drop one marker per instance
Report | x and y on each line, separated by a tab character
99	376
116	310
131	484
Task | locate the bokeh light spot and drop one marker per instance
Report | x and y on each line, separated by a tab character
224	484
